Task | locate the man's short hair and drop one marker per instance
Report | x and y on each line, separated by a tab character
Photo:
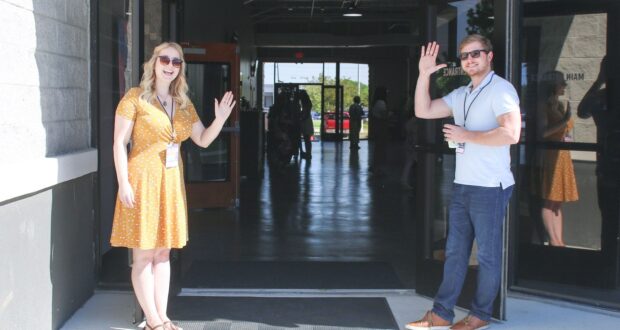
356	99
486	43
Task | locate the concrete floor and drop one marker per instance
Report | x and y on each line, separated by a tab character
112	310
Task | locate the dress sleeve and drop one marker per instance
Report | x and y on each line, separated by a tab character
128	106
193	116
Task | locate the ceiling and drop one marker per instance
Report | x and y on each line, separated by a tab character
321	22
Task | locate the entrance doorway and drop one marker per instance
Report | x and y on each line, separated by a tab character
331	87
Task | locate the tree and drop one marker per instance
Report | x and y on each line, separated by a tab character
480	19
350	90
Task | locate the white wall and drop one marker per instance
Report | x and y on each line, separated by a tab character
45	87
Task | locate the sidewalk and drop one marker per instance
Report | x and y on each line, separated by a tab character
112	310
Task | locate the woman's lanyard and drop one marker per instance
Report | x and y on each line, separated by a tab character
465	113
170	117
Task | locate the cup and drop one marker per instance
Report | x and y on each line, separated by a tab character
452	144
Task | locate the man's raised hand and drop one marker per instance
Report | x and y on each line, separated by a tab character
428	59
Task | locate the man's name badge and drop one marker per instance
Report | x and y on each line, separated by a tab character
460	148
172	155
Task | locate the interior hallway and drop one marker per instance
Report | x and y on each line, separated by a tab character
320	224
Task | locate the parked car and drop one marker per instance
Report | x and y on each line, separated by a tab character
329	123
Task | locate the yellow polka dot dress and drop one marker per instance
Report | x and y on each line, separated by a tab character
159	216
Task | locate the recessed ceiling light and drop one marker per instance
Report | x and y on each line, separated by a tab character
352	14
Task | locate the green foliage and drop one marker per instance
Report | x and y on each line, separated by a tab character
445	84
480	19
350	90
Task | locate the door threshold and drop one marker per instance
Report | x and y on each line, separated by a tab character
295	292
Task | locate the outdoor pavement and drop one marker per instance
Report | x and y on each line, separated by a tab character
112	310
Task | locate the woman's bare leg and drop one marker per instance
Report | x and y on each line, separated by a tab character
559	224
552	219
144	284
161	270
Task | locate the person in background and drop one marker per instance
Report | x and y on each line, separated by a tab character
558	175
411	159
355	123
379	116
307	126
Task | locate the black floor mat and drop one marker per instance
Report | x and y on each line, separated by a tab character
291	275
281	313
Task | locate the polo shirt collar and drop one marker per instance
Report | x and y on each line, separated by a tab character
482	83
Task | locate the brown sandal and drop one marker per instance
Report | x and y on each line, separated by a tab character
148	327
171	326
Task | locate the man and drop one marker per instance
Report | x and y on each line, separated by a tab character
355	122
487	117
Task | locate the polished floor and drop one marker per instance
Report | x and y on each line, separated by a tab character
328	211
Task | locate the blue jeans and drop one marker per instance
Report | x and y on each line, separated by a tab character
475	212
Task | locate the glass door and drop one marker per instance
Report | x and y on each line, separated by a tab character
333	123
568	219
212	173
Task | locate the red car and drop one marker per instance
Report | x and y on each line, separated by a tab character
329	123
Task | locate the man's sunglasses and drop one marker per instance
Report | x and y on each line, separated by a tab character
165	60
474	54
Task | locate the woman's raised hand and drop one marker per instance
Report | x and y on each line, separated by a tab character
225	106
428	59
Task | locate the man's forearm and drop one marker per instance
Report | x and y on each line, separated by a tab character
496	137
422	96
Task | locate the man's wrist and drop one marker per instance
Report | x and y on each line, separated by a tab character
467	135
426	75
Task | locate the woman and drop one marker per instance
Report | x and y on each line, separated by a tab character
151	211
558	177
307	127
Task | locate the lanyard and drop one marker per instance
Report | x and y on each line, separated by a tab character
170	117
465	113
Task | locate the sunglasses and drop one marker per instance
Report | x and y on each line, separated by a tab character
474	54
165	60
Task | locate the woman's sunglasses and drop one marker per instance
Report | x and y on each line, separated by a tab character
474	54
165	60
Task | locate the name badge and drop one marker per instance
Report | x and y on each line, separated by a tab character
460	148
172	155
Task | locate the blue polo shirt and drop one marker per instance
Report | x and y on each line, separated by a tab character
477	110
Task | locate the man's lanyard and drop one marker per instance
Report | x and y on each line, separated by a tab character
465	113
170	117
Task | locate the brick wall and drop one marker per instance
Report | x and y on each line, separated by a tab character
45	86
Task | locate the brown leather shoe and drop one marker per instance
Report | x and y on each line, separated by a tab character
430	321
470	322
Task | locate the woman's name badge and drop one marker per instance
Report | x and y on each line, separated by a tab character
460	148
172	155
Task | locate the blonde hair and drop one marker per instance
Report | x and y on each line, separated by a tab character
178	87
